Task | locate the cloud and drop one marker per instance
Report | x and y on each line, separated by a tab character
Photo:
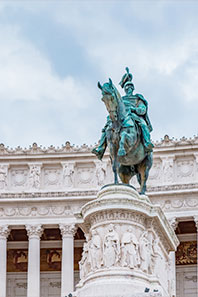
159	49
27	79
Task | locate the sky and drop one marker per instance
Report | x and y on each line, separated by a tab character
53	53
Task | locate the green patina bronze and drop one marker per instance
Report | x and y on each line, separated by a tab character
126	133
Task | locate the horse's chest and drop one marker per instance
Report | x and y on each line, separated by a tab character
113	135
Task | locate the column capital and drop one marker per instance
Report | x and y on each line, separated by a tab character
196	222
67	230
173	222
34	230
4	231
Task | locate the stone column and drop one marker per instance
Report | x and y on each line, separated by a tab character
4	232
174	223
67	269
34	233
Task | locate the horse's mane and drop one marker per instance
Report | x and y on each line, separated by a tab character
121	106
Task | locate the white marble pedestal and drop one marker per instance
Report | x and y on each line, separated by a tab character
127	244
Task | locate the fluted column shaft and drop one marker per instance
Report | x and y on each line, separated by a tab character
34	233
67	268
4	232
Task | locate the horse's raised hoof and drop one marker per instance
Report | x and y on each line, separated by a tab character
121	152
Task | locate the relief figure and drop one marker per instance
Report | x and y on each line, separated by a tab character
129	246
111	246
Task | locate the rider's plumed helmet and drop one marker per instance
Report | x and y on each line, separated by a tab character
128	84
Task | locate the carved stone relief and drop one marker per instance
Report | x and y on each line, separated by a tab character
85	174
168	169
101	172
68	174
19	177
155	172
129	249
34	180
121	246
95	250
3	176
185	168
52	176
111	247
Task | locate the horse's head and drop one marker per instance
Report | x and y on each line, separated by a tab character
110	98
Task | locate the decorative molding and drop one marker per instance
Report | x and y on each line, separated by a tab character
34	231
67	148
36	211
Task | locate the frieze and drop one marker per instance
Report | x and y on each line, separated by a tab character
180	203
33	211
120	245
118	215
168	173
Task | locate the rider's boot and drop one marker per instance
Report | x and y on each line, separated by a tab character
146	139
100	150
121	152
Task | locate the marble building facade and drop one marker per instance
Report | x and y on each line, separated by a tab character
42	191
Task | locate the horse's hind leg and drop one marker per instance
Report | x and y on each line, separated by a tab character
143	171
126	173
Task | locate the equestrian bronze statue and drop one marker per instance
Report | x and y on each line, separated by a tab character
126	133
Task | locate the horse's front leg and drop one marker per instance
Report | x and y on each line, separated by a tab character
122	151
127	139
115	169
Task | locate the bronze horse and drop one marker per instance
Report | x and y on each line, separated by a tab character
127	151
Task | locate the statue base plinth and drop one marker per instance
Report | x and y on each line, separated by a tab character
127	246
